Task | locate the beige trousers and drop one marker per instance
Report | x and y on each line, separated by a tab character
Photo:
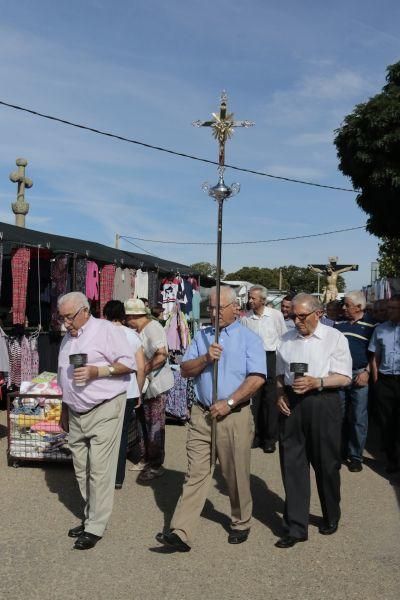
94	439
234	438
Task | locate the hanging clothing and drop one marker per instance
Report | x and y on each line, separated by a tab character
14	353
19	268
59	278
124	284
142	284
169	295
196	300
80	275
107	276
176	404
4	358
153	293
29	358
187	308
92	280
177	330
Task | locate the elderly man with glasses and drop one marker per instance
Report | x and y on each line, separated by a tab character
313	362
241	372
94	397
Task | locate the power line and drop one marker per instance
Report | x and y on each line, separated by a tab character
174	152
296	237
140	248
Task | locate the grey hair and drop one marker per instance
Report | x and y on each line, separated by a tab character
225	290
357	298
259	288
312	302
75	297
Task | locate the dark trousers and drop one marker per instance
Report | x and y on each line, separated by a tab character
311	434
264	408
129	417
387	393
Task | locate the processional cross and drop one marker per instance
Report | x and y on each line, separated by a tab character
222	127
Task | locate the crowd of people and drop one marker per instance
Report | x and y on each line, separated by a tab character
306	377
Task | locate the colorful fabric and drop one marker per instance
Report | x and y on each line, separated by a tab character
92	280
107	276
124	284
14	353
59	277
153	294
176	398
151	429
80	275
19	268
29	358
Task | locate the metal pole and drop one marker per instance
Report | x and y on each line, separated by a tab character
117	241
216	337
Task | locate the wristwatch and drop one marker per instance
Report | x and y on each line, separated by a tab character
231	403
321	387
111	371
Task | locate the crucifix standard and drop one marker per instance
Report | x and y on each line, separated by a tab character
222	127
20	207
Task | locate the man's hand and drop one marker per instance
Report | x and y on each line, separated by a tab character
220	409
283	405
362	379
214	352
301	385
83	374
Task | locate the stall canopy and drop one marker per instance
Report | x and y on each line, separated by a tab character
12	236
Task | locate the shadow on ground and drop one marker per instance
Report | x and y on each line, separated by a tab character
61	480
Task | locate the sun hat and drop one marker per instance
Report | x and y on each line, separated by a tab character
135	306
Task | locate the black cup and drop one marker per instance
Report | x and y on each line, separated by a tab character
78	360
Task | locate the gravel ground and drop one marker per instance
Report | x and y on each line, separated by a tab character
39	503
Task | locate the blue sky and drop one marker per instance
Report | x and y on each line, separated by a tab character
146	70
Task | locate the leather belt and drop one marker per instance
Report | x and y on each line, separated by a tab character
237	408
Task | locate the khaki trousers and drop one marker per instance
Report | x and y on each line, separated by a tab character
94	440
234	439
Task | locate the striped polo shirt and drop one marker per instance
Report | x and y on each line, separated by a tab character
358	335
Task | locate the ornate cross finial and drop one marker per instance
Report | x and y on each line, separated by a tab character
222	126
20	207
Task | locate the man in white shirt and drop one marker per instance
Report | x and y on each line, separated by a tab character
313	362
269	324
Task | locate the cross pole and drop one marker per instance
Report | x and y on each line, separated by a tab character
222	127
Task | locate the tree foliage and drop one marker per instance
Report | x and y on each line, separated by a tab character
299	279
368	148
206	268
389	257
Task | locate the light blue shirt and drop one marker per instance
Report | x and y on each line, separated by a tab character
385	343
243	354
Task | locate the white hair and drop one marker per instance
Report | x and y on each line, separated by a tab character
74	297
357	298
311	301
259	288
226	291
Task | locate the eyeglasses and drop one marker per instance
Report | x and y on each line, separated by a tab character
211	309
302	317
62	318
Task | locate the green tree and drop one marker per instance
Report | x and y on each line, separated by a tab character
389	257
368	148
293	278
206	268
257	275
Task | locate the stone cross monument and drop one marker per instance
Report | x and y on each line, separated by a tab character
20	207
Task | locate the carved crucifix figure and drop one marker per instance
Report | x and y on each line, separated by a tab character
331	272
20	207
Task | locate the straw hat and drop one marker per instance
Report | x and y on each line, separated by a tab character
135	307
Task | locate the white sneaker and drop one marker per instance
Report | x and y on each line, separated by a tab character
140	466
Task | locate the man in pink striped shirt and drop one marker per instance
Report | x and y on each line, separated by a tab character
94	399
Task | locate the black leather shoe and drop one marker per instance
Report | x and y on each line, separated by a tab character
288	541
86	541
355	466
172	540
237	536
256	443
328	528
269	448
76	531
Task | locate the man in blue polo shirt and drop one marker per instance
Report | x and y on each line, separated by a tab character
385	344
241	372
358	329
